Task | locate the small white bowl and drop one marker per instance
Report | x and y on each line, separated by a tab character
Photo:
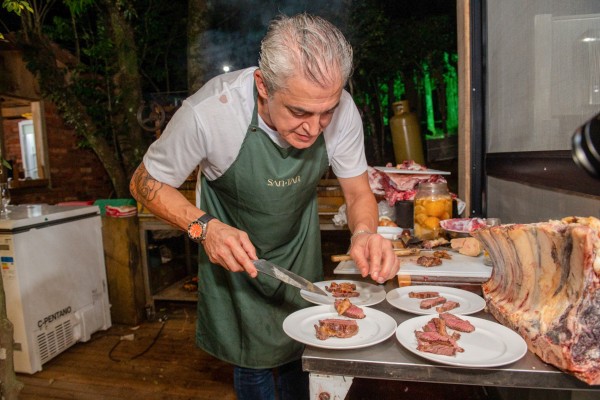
390	232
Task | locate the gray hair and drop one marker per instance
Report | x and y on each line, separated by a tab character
307	45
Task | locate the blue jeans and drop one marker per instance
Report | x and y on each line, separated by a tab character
259	384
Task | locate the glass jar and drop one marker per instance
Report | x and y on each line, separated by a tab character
433	203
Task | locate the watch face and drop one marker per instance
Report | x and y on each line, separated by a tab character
195	230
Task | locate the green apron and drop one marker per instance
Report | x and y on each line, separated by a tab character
270	193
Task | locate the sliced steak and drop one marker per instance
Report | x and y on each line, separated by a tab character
343	289
423	295
428	303
442	349
332	327
442	254
429	261
439	325
447	306
347	309
434	342
456	323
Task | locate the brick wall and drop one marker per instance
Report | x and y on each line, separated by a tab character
76	174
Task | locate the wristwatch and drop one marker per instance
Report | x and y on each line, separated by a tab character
197	229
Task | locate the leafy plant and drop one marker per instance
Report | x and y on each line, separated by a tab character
107	55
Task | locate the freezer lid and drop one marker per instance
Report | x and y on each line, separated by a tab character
31	215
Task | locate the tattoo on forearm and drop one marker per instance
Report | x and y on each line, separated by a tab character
144	185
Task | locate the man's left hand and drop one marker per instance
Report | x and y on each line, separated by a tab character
374	256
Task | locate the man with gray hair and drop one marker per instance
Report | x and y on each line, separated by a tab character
263	138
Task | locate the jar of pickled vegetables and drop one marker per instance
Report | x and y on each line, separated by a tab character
432	204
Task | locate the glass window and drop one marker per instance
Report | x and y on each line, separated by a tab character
24	141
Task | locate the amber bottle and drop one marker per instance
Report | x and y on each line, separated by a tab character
406	134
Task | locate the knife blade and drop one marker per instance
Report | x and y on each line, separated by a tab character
285	276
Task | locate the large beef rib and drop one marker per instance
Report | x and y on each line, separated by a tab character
546	286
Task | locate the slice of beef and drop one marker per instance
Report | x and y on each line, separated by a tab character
341	305
345	294
428	341
437	348
439	325
346	308
430	244
423	295
429	261
447	306
442	254
428	303
333	327
343	289
430	327
456	323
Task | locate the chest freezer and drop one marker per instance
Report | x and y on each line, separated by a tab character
54	277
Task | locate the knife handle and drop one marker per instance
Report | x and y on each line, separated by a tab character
398	252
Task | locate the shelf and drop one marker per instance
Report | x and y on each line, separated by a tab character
164	278
175	292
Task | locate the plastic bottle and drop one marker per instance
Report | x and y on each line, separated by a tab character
433	204
406	134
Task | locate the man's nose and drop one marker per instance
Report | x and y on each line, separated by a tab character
312	126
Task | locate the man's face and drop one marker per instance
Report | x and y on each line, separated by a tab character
300	112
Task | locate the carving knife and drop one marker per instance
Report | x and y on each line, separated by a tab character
286	276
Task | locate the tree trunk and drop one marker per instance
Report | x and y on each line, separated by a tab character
53	85
128	87
9	385
196	25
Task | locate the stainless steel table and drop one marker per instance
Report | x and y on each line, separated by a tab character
332	371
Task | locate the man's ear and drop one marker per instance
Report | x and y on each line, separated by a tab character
261	86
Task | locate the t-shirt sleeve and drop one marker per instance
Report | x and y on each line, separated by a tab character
346	145
179	150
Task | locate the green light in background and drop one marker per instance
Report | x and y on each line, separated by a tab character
427	89
451	81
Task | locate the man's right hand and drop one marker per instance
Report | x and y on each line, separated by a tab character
230	247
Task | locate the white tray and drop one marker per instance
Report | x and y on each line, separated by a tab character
460	266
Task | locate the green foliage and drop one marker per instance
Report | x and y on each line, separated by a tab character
78	7
399	47
17	6
5	163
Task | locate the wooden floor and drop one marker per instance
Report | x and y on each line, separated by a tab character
172	368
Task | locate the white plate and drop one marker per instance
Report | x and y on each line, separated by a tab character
489	345
370	294
393	170
469	302
374	328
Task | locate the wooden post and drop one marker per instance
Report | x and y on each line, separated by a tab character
121	240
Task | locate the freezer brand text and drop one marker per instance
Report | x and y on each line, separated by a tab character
53	317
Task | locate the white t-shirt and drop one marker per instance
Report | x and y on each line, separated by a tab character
209	128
